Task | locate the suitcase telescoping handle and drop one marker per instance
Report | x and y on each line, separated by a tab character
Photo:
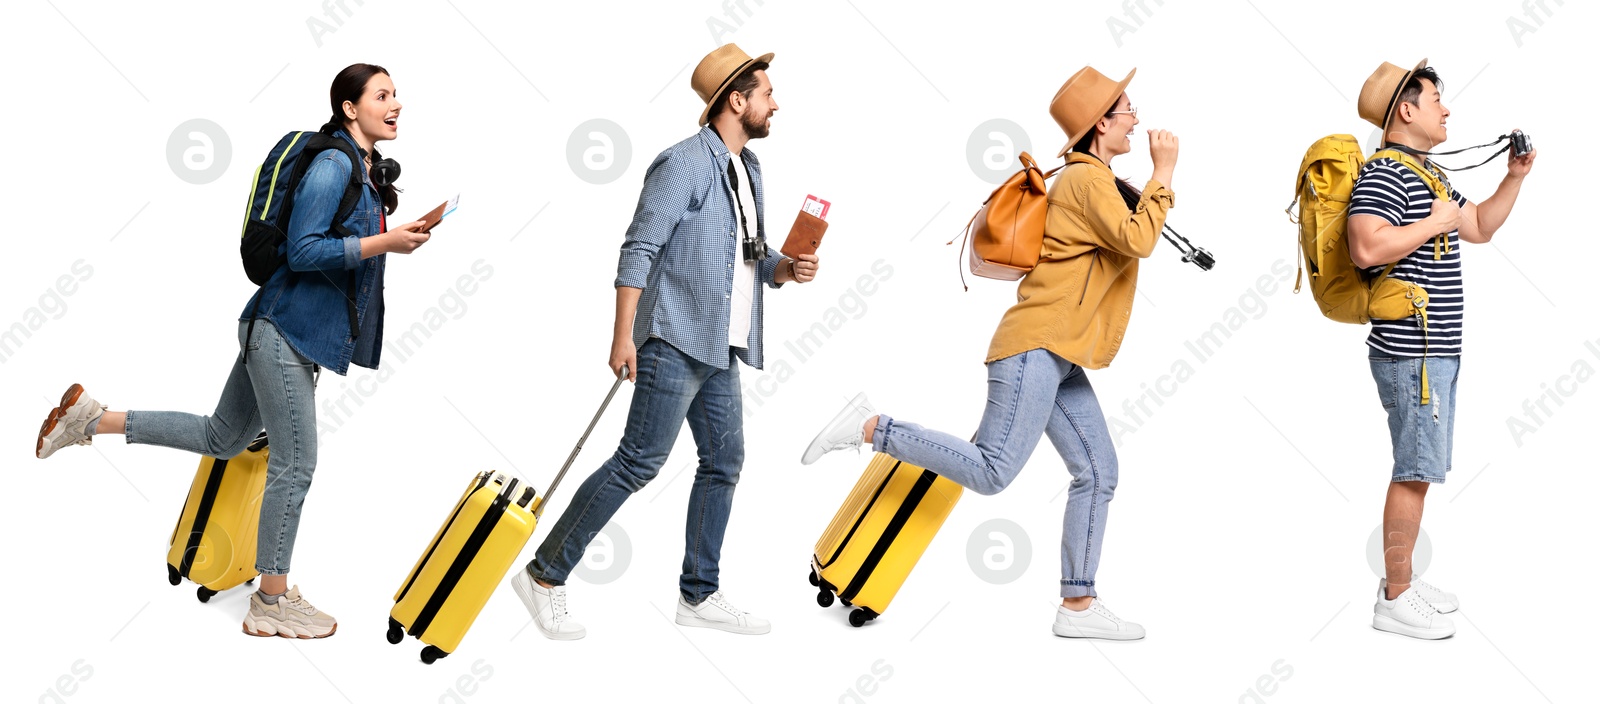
621	375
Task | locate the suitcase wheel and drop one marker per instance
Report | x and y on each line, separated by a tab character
814	580
862	615
432	653
172	576
396	633
204	595
824	598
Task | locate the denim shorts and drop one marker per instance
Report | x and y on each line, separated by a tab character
1422	435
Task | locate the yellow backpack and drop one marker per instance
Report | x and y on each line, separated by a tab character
1326	177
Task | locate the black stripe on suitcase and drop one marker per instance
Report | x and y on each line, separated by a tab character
458	568
202	516
890	532
863	516
482	480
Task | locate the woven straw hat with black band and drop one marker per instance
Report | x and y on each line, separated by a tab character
718	70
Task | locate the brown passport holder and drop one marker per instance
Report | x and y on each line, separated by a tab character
806	235
433	217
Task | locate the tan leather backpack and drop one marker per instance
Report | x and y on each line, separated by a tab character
1004	238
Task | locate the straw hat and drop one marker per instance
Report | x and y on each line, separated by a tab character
717	70
1380	95
1083	100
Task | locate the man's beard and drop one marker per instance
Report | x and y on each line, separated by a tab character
754	128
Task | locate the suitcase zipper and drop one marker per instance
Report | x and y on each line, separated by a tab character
862	516
463	560
901	516
483	478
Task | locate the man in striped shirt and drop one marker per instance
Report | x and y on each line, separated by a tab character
689	310
1395	217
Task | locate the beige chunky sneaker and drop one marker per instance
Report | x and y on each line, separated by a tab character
66	423
291	617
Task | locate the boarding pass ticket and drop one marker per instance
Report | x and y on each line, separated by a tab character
816	206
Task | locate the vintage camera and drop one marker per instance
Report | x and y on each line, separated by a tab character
1191	254
1520	143
1201	258
755	250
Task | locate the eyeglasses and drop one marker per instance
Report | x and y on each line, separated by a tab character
1130	111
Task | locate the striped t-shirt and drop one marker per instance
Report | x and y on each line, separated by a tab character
1390	190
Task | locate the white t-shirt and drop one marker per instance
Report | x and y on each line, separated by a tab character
744	273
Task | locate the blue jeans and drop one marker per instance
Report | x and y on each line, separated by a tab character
275	387
1422	436
1030	394
669	388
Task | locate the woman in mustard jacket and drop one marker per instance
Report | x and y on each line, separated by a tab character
1071	312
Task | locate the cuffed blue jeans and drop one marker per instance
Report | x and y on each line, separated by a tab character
275	387
670	387
1031	394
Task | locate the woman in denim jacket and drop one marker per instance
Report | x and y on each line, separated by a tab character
302	324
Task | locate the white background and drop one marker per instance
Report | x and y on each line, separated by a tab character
1240	529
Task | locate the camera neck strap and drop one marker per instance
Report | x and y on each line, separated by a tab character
744	222
1131	196
1425	155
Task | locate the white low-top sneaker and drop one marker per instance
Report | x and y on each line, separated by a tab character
66	423
1442	600
843	432
548	608
1411	615
716	612
1097	621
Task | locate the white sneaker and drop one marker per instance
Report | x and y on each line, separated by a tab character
843	432
66	423
1097	621
716	612
548	608
1442	600
1411	615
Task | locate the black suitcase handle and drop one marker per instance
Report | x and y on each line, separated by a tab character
621	375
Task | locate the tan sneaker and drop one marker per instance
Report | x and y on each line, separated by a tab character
66	423
291	617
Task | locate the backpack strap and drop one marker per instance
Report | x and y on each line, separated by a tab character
347	204
1441	245
1436	183
1429	176
319	143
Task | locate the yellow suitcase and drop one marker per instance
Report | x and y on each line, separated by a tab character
471	553
214	542
879	534
463	564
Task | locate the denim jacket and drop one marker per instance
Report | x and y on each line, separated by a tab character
306	298
682	247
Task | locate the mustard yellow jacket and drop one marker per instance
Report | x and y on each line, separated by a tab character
1077	301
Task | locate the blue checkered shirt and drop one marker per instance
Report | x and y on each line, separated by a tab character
682	247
